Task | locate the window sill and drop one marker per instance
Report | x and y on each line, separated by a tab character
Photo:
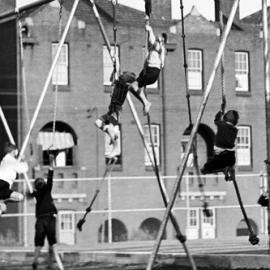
243	93
152	91
150	168
107	88
195	92
62	88
244	168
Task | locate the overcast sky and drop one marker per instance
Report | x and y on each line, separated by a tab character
246	6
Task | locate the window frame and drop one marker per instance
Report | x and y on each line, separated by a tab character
119	162
239	71
157	145
248	144
199	70
65	84
108	64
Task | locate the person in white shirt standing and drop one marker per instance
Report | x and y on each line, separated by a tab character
9	168
154	62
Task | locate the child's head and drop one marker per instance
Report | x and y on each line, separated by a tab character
162	38
231	116
39	183
11	149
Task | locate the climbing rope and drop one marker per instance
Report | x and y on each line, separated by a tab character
107	172
57	75
187	131
222	68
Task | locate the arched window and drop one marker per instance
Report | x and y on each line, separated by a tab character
150	226
119	231
242	229
60	143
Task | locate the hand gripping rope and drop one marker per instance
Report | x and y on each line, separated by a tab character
206	211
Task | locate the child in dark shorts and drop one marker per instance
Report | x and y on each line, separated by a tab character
46	212
153	64
224	146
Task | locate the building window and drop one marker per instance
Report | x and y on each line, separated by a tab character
60	74
61	143
193	218
241	71
109	147
155	132
244	146
108	65
195	69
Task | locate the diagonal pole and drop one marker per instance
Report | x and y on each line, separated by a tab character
47	82
193	134
161	184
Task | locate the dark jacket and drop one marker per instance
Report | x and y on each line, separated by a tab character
226	133
45	205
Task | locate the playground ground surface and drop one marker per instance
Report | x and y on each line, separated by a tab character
208	254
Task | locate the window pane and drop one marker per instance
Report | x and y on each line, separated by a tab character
155	137
241	71
195	69
244	146
60	74
108	64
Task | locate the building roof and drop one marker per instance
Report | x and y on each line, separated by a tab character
256	18
124	15
6	5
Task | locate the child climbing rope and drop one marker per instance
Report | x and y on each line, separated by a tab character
9	168
154	62
109	122
46	212
224	146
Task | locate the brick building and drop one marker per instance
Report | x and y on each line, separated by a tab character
130	203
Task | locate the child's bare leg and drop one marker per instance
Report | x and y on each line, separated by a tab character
15	197
54	255
139	94
36	256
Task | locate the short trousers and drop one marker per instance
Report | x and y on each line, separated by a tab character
45	227
147	77
5	191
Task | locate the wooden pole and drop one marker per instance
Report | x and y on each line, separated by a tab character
193	134
48	80
267	97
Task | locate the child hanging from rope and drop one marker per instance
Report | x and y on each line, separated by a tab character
154	62
224	146
46	212
109	121
9	168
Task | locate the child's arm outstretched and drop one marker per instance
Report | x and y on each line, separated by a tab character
50	173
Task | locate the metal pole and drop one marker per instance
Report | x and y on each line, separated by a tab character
109	209
44	90
267	96
193	134
23	8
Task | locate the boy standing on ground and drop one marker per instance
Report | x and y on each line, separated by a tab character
46	212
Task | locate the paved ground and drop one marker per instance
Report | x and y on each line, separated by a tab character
236	253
